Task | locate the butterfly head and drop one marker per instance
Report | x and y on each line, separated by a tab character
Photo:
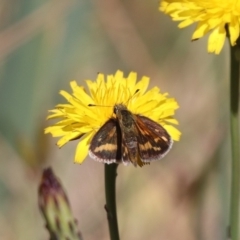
118	108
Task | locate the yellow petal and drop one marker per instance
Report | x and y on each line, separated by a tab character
173	132
171	120
131	81
200	31
186	23
163	6
214	23
216	40
173	6
55	115
92	86
137	103
142	85
82	148
69	136
118	75
66	95
80	94
234	31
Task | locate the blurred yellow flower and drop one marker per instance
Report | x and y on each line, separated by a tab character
79	120
214	16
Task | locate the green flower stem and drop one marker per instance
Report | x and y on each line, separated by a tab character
110	186
234	121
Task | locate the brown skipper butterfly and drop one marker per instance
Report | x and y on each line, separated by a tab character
129	138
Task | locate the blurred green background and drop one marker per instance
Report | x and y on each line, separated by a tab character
46	44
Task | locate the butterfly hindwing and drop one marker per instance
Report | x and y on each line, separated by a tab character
153	140
106	143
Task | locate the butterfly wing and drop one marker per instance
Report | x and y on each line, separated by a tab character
110	145
106	145
153	140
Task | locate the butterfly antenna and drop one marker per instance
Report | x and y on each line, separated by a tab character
94	105
132	96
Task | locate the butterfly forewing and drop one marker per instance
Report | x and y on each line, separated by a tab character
106	145
153	140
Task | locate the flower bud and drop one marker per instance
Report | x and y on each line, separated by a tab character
55	207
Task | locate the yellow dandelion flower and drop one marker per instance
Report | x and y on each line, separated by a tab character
86	114
212	16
